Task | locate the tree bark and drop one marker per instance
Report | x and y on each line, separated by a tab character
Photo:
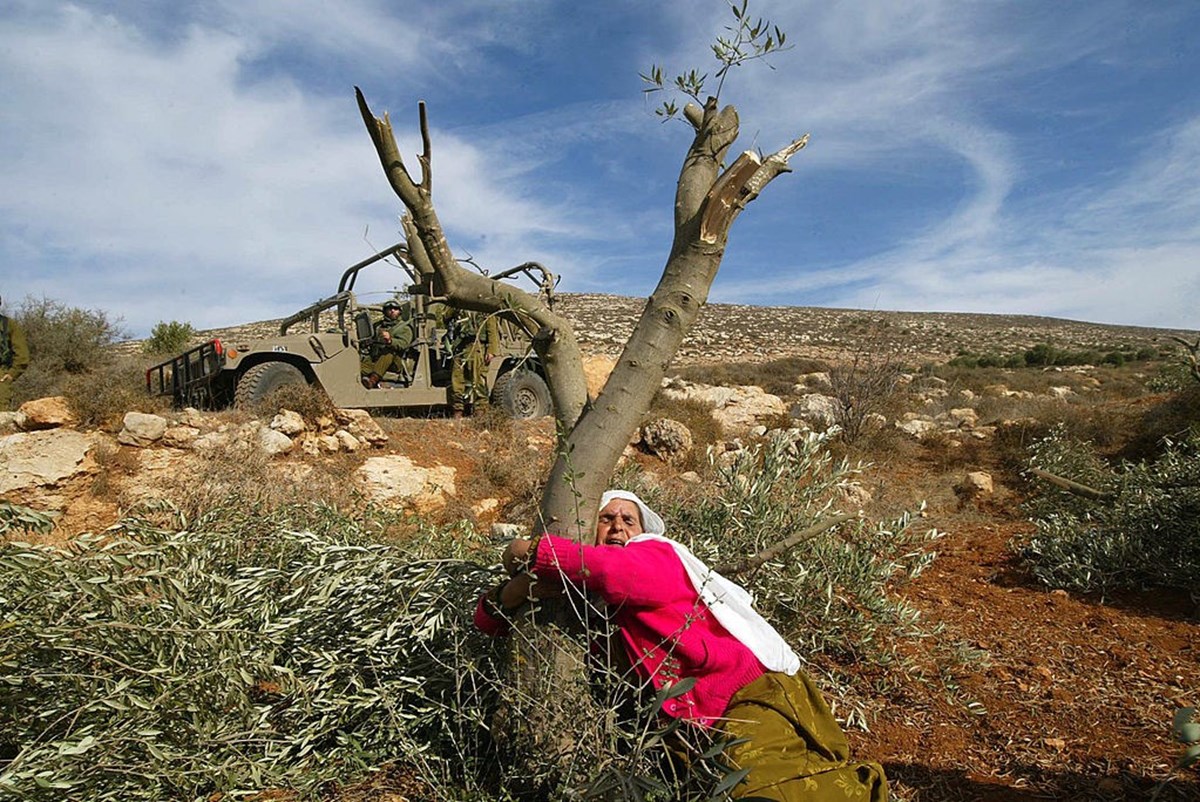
707	201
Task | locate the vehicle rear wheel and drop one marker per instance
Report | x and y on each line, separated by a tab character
261	380
522	394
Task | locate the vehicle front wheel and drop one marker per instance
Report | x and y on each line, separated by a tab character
263	379
522	394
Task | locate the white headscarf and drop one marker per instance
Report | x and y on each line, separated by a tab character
652	522
731	605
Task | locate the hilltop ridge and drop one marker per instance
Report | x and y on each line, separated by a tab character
749	333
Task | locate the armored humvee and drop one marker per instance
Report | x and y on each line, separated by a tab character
324	343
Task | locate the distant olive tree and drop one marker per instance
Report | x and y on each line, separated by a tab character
167	338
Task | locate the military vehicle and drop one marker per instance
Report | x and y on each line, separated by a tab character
324	344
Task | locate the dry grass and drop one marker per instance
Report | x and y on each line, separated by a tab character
101	396
307	400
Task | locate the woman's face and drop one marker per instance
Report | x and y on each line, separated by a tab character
619	520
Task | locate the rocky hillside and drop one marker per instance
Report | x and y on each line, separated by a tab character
736	332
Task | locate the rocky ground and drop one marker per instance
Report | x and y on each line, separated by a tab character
1057	696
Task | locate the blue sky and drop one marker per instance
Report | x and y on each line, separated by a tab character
205	162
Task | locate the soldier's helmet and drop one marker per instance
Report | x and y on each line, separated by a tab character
393	304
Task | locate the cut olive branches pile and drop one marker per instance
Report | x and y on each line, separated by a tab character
151	664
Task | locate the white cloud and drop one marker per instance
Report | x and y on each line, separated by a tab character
168	182
162	160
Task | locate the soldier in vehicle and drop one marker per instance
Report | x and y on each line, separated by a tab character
392	339
14	357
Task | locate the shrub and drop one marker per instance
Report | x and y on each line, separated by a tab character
63	341
1040	355
1144	533
308	400
168	338
863	386
101	397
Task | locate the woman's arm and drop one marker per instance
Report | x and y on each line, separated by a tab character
646	573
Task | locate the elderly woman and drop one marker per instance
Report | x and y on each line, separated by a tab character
678	618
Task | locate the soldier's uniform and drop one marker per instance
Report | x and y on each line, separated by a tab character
474	341
14	358
391	355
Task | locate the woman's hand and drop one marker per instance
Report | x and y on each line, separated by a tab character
516	555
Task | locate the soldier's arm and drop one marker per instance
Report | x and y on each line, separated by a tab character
491	337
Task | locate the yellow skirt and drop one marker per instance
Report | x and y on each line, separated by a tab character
794	748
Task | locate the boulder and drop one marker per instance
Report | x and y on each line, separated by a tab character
815	381
140	429
396	479
666	439
976	483
962	418
347	441
815	409
507	531
595	371
854	495
360	424
919	428
42	458
289	422
46	413
272	442
180	436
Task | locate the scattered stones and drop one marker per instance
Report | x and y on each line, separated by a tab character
735	408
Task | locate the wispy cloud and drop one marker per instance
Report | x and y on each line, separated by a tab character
163	159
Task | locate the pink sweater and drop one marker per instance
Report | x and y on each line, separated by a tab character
667	631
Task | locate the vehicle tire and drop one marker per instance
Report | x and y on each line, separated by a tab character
261	380
522	394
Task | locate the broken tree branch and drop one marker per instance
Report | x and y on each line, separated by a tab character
1072	487
750	563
